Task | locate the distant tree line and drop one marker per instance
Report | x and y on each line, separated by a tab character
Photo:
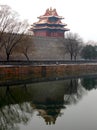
75	47
89	52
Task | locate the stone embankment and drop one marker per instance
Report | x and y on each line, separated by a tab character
38	71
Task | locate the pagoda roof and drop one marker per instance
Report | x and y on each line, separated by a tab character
49	21
50	13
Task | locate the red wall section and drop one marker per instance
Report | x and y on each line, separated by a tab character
49	34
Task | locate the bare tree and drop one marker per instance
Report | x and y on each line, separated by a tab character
73	45
11	30
5	20
11	39
25	46
25	50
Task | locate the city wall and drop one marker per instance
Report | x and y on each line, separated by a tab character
46	48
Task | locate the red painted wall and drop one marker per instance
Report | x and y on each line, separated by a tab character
49	34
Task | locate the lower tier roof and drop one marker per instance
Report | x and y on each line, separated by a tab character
50	28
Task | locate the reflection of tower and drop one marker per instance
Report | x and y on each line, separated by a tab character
48	100
49	114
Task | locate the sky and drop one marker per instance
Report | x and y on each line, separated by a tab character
79	15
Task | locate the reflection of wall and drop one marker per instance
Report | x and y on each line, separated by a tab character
48	92
40	93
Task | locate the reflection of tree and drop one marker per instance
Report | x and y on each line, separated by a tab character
12	113
74	91
89	83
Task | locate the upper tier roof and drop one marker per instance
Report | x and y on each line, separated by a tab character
50	13
46	21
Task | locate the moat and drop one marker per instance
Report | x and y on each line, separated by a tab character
49	104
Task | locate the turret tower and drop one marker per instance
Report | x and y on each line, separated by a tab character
49	25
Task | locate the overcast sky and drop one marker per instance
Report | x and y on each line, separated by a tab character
80	15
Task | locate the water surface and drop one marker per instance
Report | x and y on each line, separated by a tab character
68	104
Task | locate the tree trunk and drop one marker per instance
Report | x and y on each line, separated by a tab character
8	55
71	56
74	57
26	57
